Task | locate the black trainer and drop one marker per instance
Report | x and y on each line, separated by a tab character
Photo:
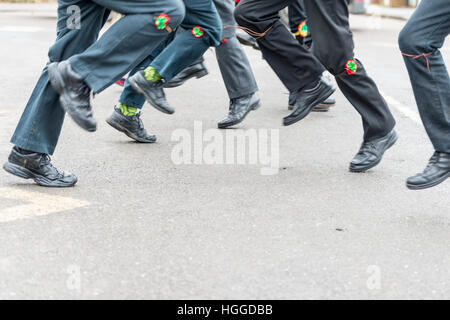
239	109
197	70
152	91
37	166
307	99
74	94
371	153
132	126
437	171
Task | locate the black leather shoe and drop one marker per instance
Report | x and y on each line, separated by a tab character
74	94
197	70
372	152
152	91
247	40
37	166
239	109
321	107
132	126
308	99
437	171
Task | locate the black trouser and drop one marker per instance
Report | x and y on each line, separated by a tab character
297	15
333	48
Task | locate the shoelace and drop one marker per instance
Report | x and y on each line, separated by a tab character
47	161
139	120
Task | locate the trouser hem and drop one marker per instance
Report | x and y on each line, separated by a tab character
243	92
33	145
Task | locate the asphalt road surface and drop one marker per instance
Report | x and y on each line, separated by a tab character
138	225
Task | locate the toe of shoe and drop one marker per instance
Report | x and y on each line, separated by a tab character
150	138
416	180
356	167
69	178
86	123
165	106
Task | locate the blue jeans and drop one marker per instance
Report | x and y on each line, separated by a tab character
420	41
100	63
176	54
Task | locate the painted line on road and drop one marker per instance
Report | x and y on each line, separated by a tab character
20	29
408	112
37	204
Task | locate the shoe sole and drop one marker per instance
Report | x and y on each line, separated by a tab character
254	107
322	97
428	185
393	140
124	130
320	109
24	173
57	83
199	74
141	92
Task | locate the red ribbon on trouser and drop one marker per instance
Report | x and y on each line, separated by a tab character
417	56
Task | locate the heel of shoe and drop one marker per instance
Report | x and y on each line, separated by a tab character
16	170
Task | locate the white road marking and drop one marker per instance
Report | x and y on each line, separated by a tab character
20	29
38	204
408	112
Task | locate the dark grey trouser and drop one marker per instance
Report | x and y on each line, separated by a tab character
333	48
425	33
100	62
